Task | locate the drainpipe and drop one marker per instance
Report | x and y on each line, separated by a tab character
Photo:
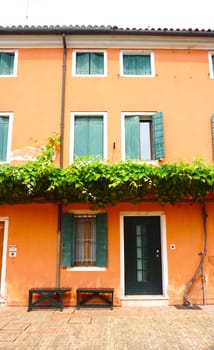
58	263
203	277
63	101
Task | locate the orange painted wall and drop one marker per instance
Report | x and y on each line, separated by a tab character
34	97
181	89
33	229
181	77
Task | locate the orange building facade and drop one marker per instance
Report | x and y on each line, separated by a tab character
98	81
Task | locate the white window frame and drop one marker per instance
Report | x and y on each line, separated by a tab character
138	52
9	141
4	256
86	268
89	75
123	149
211	68
88	114
15	65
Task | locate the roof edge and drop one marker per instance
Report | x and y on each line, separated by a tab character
101	30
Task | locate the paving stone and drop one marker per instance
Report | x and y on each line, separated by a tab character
143	328
15	326
8	336
80	320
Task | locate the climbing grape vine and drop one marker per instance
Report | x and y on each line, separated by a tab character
101	183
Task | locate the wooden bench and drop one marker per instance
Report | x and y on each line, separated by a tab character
48	298
95	297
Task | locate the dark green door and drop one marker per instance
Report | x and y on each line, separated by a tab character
142	244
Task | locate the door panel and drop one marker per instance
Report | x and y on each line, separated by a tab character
142	244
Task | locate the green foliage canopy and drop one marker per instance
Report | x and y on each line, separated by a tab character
101	183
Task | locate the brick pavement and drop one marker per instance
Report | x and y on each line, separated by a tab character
156	328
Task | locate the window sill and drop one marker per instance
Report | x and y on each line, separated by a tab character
151	162
7	76
86	268
89	75
137	76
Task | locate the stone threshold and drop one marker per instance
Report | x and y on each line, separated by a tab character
144	300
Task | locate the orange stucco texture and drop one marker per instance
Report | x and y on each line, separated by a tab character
183	91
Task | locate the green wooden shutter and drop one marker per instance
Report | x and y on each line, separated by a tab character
147	65
97	63
129	65
143	64
212	58
95	137
132	137
137	64
82	63
4	126
101	240
80	137
213	132
88	137
158	136
67	240
6	63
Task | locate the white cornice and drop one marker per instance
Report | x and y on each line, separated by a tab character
107	41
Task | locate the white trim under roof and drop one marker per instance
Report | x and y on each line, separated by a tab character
108	41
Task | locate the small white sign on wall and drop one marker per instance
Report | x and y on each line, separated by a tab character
12	251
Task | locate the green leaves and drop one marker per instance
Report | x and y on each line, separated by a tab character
101	183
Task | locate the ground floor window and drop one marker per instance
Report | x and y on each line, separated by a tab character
84	240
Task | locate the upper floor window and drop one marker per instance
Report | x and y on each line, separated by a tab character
8	63
212	124
84	240
143	136
137	63
211	64
5	136
88	135
89	63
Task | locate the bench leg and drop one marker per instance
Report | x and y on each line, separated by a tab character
78	300
30	297
59	297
